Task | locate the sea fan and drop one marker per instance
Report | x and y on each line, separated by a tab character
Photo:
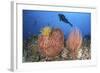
74	42
51	45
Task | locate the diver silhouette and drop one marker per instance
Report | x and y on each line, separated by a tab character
64	19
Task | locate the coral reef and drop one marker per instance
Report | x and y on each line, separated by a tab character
49	46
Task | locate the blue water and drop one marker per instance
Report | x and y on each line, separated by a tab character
34	21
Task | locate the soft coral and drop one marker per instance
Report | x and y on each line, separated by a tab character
74	42
51	45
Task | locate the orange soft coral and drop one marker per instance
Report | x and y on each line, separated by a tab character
74	42
51	45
